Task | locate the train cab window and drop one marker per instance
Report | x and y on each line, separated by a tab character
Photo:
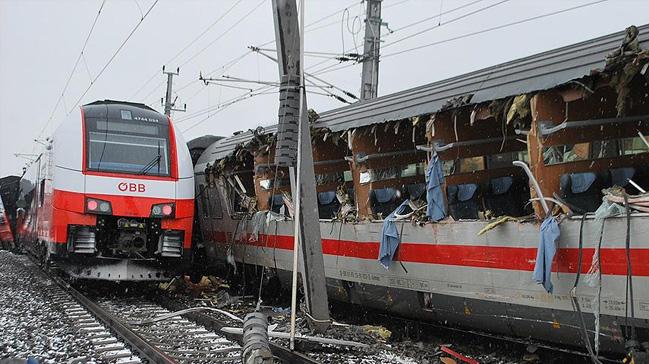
132	147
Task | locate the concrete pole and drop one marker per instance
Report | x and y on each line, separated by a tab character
370	74
293	129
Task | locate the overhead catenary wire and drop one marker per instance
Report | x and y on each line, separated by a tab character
74	68
239	58
110	60
346	52
236	23
502	26
330	68
192	42
444	23
221	35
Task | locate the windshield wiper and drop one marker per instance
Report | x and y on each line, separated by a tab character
148	166
154	161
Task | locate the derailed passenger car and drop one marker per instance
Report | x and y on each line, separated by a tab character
573	114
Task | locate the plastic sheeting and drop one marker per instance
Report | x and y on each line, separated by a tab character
545	254
436	209
390	238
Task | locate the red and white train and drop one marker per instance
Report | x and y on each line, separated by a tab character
112	196
6	236
468	269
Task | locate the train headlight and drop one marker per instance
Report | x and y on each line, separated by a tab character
163	210
97	206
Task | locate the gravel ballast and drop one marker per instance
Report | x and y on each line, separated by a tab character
33	321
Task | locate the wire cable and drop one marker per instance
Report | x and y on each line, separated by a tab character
110	60
224	33
444	23
74	68
188	45
466	35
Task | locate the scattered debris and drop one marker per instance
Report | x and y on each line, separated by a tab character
457	355
499	221
377	331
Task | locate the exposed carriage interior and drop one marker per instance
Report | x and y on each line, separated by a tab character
579	137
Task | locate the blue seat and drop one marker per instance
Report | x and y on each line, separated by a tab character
328	204
275	203
463	201
508	195
384	200
583	190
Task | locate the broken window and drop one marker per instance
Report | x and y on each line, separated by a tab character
504	160
463	165
593	150
631	146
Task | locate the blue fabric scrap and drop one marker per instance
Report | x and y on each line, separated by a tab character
545	254
436	209
390	239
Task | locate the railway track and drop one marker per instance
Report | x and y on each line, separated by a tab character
115	328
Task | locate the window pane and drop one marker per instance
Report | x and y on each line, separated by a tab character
127	153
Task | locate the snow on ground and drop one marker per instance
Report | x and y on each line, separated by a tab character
32	318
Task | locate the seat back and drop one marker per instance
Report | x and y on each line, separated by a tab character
463	201
582	190
384	200
415	191
328	204
508	195
275	203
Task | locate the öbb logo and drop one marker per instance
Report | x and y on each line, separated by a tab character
131	187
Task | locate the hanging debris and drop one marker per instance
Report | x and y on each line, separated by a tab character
456	102
519	109
624	64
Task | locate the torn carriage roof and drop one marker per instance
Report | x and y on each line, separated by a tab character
534	73
222	148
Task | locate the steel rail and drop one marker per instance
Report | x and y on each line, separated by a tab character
139	346
214	324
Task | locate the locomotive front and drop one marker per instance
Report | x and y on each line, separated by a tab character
123	203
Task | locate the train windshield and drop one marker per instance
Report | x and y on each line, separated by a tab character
128	147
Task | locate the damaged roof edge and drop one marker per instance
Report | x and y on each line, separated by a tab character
533	73
223	147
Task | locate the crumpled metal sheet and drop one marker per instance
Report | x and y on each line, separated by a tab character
538	72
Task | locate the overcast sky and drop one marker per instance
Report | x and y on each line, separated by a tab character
41	40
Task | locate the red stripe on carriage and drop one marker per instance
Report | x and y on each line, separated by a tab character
494	257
